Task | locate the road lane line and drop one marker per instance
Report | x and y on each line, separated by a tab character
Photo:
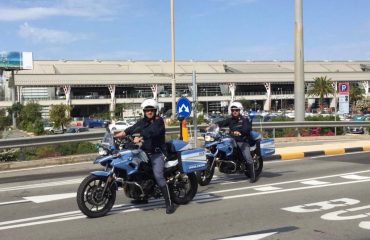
42	185
268	188
51	166
13	202
355	177
286	182
314	182
251	237
279	191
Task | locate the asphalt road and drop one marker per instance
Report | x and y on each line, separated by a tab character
314	198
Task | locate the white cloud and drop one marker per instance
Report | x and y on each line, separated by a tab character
71	8
44	35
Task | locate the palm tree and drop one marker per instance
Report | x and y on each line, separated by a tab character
321	87
356	93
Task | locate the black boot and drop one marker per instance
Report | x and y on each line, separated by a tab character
252	173
139	201
170	208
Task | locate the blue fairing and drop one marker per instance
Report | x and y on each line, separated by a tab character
103	159
179	145
193	160
100	173
209	144
128	160
226	146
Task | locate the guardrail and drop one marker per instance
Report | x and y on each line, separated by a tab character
92	136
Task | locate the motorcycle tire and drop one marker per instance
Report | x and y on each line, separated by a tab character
205	177
190	187
258	166
89	194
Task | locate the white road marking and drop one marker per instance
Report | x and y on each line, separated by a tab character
268	188
280	183
322	206
42	185
335	216
314	182
13	202
132	208
365	225
280	191
355	177
49	198
251	237
51	166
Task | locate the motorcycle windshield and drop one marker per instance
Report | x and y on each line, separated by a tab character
107	139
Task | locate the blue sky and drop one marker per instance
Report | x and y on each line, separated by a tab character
205	29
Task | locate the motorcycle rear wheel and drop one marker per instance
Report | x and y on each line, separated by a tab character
90	198
184	189
258	165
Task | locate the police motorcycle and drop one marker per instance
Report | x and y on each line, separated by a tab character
222	152
127	166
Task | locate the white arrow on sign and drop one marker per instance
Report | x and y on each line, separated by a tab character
49	198
251	237
183	108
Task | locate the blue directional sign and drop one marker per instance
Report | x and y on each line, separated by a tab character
183	107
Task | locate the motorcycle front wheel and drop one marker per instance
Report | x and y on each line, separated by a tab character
91	199
184	188
205	177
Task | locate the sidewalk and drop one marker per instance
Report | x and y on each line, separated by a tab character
285	149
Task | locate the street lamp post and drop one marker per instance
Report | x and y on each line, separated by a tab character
173	60
205	90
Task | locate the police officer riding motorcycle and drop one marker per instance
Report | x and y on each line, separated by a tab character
240	129
152	136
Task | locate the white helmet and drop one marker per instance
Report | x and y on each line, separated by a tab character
236	105
149	104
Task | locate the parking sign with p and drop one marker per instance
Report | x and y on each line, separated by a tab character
343	88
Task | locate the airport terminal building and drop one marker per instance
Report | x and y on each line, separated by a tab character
97	85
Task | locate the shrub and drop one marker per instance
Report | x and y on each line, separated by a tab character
86	147
9	155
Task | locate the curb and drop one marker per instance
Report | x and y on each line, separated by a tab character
46	162
334	151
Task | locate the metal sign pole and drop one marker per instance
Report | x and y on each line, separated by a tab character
195	104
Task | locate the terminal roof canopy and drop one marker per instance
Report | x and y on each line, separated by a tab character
99	72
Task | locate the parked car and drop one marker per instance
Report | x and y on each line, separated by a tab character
359	129
120	125
77	129
92	122
56	130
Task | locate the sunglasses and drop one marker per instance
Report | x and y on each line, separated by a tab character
149	110
235	110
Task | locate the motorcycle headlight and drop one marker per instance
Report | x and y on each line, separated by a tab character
102	152
208	138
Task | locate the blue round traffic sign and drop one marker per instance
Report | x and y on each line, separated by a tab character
183	107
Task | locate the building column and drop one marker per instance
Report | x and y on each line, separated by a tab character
67	93
155	91
333	102
232	88
267	104
112	107
19	93
365	84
